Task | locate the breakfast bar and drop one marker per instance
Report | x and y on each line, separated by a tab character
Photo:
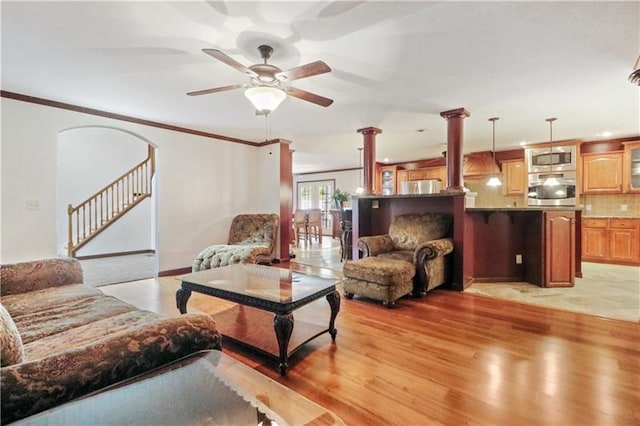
539	245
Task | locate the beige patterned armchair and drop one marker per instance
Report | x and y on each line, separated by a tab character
422	239
252	239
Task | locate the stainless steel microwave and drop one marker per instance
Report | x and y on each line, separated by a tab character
556	159
542	192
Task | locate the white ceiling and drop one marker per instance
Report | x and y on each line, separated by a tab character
395	66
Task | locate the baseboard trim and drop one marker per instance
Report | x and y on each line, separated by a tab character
119	253
178	271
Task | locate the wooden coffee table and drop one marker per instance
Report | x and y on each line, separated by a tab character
263	294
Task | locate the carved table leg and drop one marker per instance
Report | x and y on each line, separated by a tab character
334	301
283	325
182	296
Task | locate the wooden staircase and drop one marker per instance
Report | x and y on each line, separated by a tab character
92	216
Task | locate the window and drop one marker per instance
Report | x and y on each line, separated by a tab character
317	195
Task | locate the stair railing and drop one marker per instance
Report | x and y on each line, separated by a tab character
95	214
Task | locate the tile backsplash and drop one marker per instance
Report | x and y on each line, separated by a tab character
611	205
492	197
593	205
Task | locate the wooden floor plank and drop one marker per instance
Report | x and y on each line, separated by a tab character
449	358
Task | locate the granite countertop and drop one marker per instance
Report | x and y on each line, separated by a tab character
608	217
522	209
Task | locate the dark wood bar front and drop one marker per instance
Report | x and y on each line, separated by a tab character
537	245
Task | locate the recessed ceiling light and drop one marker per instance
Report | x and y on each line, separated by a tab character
606	134
386	160
523	143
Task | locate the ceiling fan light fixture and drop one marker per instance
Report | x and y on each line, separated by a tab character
265	99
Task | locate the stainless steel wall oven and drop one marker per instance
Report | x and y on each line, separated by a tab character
561	193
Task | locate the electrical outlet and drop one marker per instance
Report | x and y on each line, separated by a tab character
623	207
588	207
33	205
518	259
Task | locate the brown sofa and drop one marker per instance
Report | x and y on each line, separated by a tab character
62	339
421	239
252	239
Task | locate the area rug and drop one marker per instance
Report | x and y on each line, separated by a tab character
609	291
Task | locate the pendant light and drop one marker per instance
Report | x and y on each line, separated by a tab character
494	180
551	179
360	188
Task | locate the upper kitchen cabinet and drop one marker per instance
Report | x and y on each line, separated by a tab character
631	167
515	177
387	180
602	173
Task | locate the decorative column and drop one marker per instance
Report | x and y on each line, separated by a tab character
454	119
369	157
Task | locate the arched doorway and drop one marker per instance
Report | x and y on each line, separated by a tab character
89	158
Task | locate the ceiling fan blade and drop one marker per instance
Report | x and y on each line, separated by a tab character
215	90
313	68
308	96
223	57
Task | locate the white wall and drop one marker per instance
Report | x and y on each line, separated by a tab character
202	183
88	159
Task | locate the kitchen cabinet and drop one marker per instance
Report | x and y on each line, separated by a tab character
401	176
388	180
611	240
514	177
631	167
602	173
594	239
559	247
416	174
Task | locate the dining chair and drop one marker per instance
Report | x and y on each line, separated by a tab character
300	222
315	224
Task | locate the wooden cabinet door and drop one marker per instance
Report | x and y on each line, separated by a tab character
559	231
594	243
631	167
401	176
388	180
602	173
514	177
417	174
624	240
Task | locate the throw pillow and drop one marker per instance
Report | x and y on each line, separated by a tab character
11	349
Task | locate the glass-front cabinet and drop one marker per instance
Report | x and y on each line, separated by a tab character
388	180
631	167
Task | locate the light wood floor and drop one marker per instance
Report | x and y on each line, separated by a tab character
450	358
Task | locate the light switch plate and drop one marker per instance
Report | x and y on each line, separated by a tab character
623	207
32	205
588	207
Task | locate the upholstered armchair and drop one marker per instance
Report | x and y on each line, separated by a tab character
422	239
252	239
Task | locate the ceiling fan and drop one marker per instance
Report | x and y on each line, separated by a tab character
268	85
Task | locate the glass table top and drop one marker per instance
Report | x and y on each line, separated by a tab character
267	283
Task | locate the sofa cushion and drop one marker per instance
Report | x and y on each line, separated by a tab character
88	333
409	230
39	300
68	316
28	276
388	272
224	255
11	349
